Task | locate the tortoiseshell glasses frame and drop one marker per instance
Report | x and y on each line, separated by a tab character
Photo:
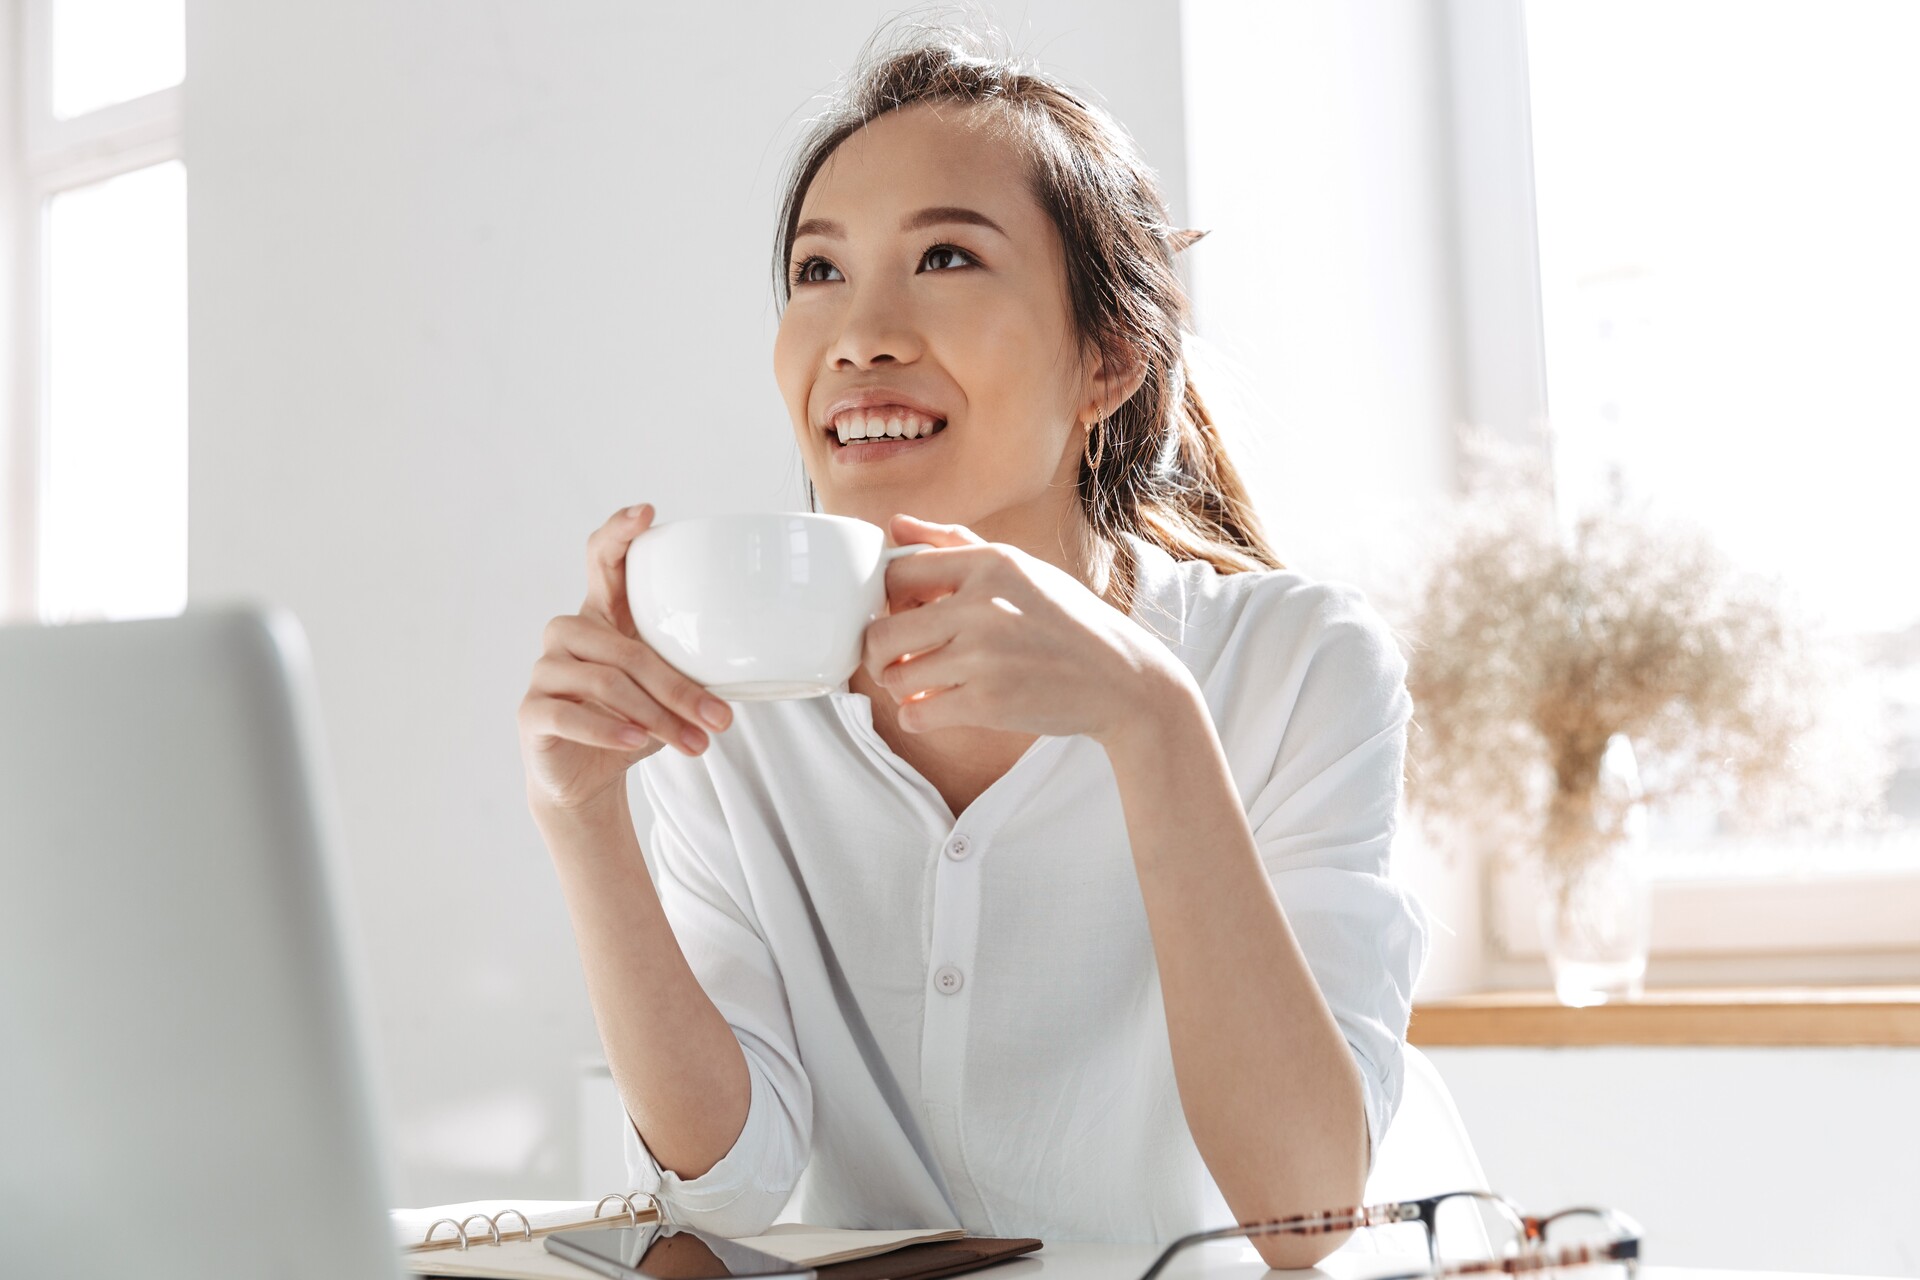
1532	1252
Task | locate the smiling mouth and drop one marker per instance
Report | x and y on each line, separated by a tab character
907	428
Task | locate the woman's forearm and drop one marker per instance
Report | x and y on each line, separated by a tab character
676	1063
1271	1092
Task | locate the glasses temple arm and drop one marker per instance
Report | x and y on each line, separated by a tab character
1310	1224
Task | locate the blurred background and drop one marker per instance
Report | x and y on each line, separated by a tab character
377	310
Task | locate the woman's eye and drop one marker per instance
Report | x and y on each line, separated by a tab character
942	255
803	274
945	249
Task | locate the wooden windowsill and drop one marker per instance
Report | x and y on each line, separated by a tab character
1770	1016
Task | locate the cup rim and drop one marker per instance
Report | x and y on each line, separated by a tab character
768	516
711	517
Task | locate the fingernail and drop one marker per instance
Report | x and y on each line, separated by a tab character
633	512
694	740
714	713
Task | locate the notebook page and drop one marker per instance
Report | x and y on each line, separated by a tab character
512	1260
820	1246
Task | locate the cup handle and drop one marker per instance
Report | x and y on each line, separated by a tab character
890	554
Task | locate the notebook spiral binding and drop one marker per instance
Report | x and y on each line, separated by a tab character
633	1214
462	1239
493	1226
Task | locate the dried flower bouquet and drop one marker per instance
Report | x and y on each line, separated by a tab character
1532	649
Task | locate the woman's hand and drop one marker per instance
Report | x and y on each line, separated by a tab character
602	699
985	635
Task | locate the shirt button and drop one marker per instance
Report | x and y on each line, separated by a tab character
948	979
958	848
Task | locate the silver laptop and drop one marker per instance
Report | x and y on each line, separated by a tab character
182	1087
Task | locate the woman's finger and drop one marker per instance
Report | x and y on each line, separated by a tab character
614	691
557	717
607	567
923	673
921	630
592	641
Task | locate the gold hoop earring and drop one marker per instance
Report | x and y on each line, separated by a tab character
1091	452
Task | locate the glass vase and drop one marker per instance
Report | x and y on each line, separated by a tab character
1595	918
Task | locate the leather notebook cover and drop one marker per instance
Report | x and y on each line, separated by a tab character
924	1261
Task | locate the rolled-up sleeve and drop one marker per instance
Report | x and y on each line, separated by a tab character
1324	822
706	902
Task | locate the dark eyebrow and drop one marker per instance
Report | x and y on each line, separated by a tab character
934	216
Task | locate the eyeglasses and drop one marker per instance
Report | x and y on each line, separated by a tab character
1469	1233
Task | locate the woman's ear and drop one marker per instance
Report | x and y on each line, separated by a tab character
1114	385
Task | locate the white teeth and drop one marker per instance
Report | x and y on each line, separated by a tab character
857	424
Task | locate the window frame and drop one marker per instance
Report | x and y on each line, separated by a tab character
41	156
1839	928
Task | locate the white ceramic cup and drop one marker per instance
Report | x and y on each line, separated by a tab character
761	605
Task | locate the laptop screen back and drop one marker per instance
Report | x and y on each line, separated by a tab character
182	1088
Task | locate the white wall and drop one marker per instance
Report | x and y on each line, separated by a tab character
1743	1159
464	279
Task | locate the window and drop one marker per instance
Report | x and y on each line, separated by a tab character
1726	270
93	238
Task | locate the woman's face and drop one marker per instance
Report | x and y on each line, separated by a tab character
903	293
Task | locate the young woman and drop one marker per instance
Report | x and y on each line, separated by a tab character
1068	916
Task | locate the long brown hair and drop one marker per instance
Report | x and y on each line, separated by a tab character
1164	475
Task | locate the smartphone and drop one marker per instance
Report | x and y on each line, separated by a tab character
667	1252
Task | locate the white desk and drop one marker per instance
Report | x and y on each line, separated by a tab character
1229	1260
1237	1260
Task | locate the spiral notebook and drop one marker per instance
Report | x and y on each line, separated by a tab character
499	1239
460	1226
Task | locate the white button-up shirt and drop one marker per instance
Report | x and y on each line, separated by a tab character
957	1021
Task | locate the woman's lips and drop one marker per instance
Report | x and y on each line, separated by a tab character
880	448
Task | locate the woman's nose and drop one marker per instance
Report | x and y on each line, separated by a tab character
876	326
